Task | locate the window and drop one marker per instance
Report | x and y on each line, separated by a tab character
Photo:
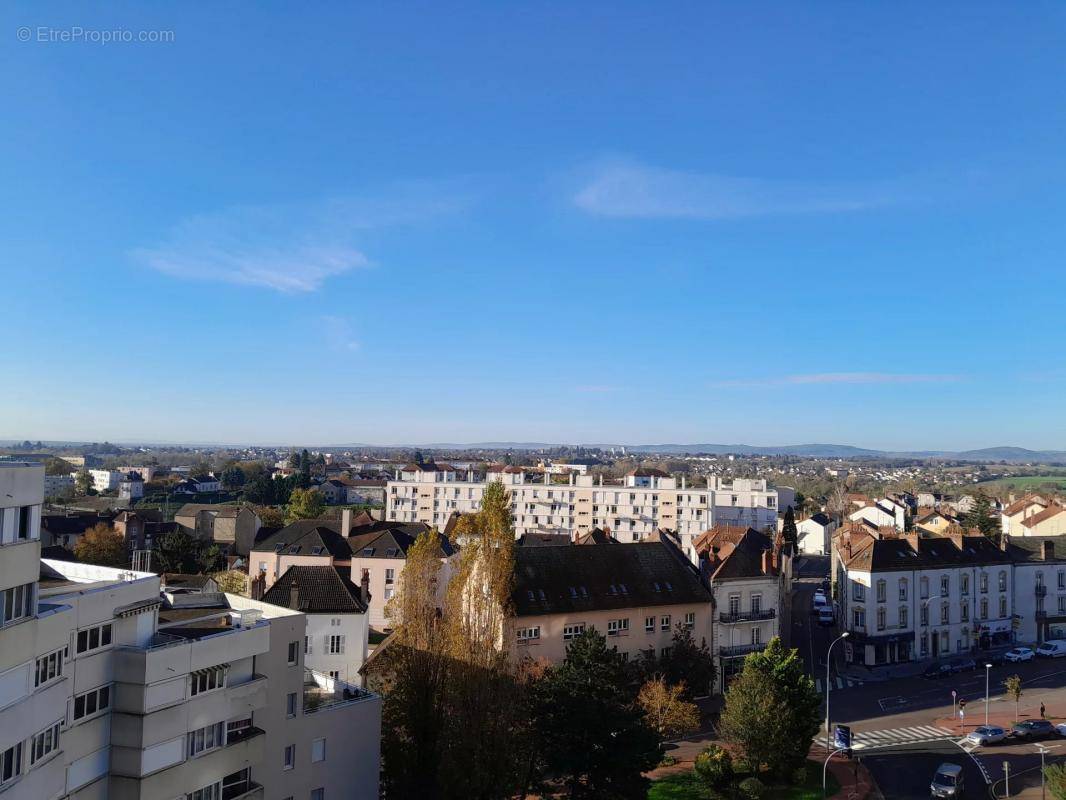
923	588
925	614
11	763
902	588
756	636
308	646
290	757
664	622
964	612
318	750
570	631
206	680
44	743
859	618
882	591
294	654
690	620
1062	605
923	644
858	591
90	639
663	652
734	604
649	624
210	792
237	783
390	576
903	611
1039	579
290	704
209	738
18	602
881	618
945	585
24	523
532	633
964	584
92	702
984	582
318	794
238	729
1003	581
756	604
1002	607
984	608
336	645
616	627
945	614
1062	579
49	667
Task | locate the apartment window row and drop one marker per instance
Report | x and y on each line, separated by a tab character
206	680
573	631
207	738
232	785
22	529
335	644
616	627
92	702
44	743
95	638
10	764
531	633
18	603
49	667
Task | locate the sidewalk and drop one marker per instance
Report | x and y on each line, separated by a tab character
855	780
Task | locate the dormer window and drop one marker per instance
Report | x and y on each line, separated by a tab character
316	550
294	549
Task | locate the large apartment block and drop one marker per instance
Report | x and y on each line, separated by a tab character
645	501
109	689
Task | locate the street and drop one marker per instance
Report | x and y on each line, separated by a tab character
908	726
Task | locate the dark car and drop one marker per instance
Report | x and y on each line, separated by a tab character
1033	729
997	659
939	669
965	664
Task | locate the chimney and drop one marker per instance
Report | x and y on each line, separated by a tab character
364	588
346	521
766	562
1004	542
1047	550
294	596
715	559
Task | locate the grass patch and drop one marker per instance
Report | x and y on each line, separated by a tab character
686	786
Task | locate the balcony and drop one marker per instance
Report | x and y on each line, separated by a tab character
179	651
738	650
747	616
1040	590
322	693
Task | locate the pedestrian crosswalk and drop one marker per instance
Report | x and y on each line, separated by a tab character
915	733
837	683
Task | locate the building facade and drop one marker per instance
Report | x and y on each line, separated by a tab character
633	510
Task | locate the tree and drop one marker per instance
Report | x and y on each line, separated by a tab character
788	530
772	711
591	737
714	767
179	552
838	501
83	481
980	516
232	477
57	466
1055	780
305	504
199	469
685	663
303	472
232	581
665	709
270	516
104	546
1013	685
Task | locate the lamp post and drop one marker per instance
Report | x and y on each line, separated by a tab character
825	766
1043	748
988	671
828	665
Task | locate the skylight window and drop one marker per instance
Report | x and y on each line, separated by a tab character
294	549
279	547
368	551
316	550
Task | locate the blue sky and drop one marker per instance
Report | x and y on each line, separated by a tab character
577	222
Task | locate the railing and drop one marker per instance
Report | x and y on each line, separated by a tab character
1041	614
322	692
746	616
741	649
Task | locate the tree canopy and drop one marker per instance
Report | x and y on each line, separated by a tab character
102	545
305	504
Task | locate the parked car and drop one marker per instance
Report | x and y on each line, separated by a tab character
986	734
825	616
996	659
948	781
818	603
1033	729
938	669
1016	654
1052	648
1061	728
965	664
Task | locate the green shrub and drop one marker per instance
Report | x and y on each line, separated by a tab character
667	761
714	766
799	776
752	789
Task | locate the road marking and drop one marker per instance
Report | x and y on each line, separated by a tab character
914	733
838	683
898	701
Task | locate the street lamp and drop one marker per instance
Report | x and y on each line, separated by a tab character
1043	748
988	671
828	664
825	766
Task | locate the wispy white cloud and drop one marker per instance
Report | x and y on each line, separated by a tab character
338	333
630	189
292	248
820	378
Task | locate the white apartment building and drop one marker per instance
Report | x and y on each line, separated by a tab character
916	597
645	501
750	577
108	690
106	479
59	486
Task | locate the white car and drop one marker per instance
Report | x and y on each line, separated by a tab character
1052	648
986	734
1019	654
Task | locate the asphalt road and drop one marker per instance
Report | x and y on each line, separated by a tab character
904	772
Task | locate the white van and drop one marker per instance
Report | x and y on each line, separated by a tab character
1052	648
825	615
